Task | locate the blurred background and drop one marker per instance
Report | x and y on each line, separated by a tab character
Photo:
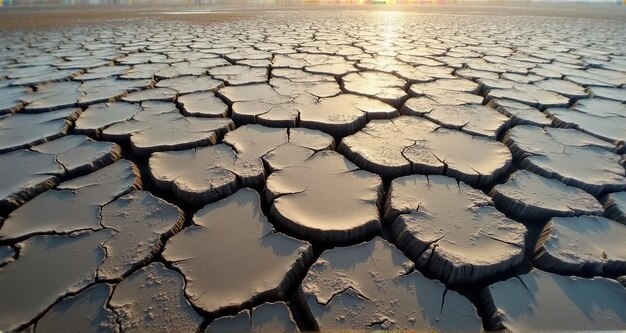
7	3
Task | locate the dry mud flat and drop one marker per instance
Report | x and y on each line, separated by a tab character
279	172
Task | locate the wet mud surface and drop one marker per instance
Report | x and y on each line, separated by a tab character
276	171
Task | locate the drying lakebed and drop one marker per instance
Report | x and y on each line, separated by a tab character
314	170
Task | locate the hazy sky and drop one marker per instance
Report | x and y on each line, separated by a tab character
97	2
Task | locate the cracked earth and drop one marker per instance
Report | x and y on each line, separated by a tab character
284	172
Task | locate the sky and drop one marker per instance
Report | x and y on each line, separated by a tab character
99	2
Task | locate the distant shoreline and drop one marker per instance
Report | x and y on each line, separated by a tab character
51	16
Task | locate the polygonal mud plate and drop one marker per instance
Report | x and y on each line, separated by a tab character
600	107
49	267
141	222
315	63
262	267
181	69
400	68
161	127
448	91
11	99
461	85
582	245
142	58
155	94
74	205
527	78
312	105
60	95
202	104
529	196
81	63
615	94
239	74
153	299
98	117
34	74
291	82
30	172
326	199
406	145
565	88
25	130
540	301
601	118
520	114
30	70
383	86
79	154
301	60
190	84
472	119
473	74
529	95
102	72
260	103
142	71
568	155
243	53
85	312
52	76
452	230
204	175
372	285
